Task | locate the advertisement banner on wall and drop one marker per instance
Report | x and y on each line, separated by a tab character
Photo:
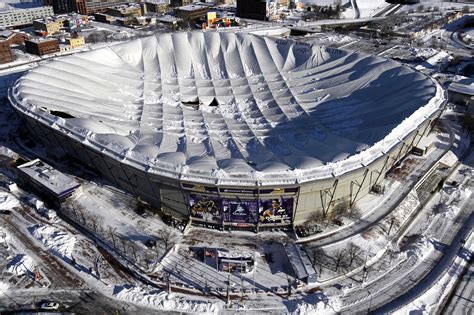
240	211
276	210
205	207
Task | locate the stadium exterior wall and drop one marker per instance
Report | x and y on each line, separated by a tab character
175	197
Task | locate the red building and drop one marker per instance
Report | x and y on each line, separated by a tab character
6	54
13	37
40	46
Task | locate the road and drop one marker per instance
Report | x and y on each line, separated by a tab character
66	286
463	299
388	205
78	301
49	264
411	277
453	234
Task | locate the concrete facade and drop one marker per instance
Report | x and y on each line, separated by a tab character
75	42
24	16
177	197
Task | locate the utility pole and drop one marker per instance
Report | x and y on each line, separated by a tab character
169	282
370	302
289	286
228	290
253	277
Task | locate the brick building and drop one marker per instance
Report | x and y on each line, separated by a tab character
252	9
191	12
13	37
180	3
48	26
155	6
42	46
6	54
86	7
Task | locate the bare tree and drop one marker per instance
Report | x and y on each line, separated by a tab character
96	221
341	208
112	231
339	256
318	257
81	214
168	238
353	253
393	222
157	253
134	249
124	243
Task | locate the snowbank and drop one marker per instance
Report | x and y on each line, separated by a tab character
160	300
3	288
8	201
20	264
59	241
314	303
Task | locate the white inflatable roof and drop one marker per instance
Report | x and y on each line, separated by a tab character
231	107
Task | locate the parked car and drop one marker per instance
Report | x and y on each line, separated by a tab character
49	305
5	212
150	243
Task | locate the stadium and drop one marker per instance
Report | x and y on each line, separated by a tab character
232	129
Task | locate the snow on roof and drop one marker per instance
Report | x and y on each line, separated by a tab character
192	7
168	18
299	262
231	107
42	39
464	86
6	33
427	141
48	177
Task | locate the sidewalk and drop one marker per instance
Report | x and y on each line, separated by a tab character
391	202
400	286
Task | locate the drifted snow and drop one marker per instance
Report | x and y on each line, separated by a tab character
20	264
160	300
296	112
3	288
59	241
8	201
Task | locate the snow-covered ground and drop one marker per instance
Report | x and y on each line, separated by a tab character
435	63
430	300
111	215
366	8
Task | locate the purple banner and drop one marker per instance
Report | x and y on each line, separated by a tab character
276	210
240	211
205	207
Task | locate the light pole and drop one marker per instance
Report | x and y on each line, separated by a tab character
370	302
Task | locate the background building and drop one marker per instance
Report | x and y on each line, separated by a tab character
86	7
13	37
22	17
75	42
191	12
25	4
180	3
252	9
48	26
6	54
42	46
155	6
125	10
